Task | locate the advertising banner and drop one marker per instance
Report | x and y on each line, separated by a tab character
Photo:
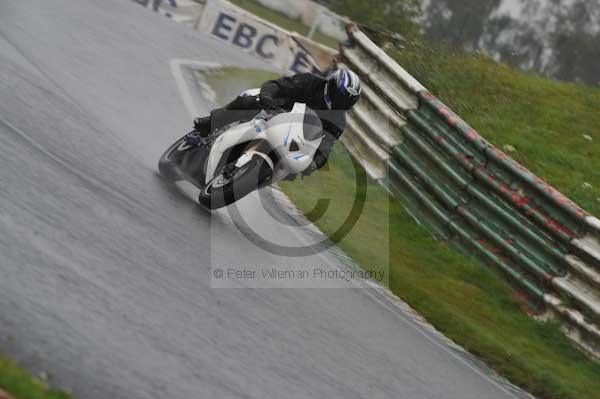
237	27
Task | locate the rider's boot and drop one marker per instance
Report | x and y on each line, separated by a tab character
202	126
201	129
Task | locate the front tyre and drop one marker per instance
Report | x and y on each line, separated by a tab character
233	183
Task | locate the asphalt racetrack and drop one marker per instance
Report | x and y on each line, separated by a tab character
105	270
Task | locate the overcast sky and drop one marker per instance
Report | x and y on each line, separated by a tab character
512	7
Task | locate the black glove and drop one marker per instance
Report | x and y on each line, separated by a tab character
265	101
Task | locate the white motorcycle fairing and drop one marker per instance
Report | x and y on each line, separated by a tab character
284	134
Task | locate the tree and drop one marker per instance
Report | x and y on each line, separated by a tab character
575	42
461	23
557	38
399	16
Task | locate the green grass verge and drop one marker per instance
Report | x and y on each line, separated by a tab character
284	21
469	303
20	384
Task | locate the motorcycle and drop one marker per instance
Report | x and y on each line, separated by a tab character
242	156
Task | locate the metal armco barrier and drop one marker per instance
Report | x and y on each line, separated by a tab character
472	195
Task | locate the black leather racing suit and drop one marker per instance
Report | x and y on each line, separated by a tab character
283	93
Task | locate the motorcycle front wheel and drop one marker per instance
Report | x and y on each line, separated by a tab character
233	183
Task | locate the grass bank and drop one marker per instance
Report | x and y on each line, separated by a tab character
21	385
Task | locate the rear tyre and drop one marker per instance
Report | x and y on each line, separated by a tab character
167	165
232	183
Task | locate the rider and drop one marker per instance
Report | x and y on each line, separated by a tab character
329	97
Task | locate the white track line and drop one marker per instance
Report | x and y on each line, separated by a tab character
184	91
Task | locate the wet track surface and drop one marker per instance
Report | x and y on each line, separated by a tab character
105	271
